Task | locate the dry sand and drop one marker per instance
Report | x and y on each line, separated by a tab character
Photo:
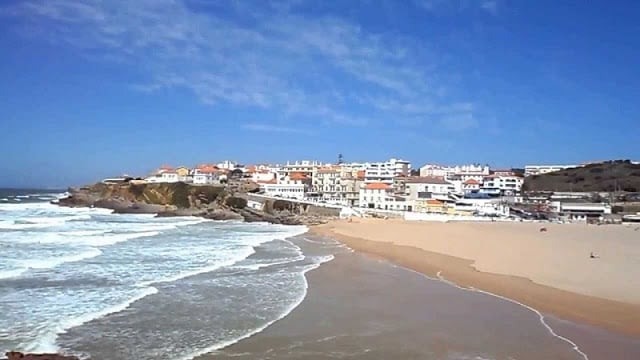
550	271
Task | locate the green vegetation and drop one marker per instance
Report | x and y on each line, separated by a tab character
180	197
236	202
610	176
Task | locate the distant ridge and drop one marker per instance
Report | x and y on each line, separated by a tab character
608	176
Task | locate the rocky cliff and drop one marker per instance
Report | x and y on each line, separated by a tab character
217	202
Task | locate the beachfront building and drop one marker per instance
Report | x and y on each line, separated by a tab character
432	206
482	207
288	191
580	211
385	172
530	170
502	185
380	196
427	187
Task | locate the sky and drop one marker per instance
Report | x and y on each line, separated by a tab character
93	88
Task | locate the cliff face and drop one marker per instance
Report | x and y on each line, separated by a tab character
179	199
609	176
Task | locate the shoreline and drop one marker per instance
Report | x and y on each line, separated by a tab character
615	316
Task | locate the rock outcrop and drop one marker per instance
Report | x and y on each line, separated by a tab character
217	202
15	355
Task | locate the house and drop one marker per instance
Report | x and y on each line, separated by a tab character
380	196
427	187
207	174
431	206
502	185
470	185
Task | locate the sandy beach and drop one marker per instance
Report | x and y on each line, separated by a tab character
550	271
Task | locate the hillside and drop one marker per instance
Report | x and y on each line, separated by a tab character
618	175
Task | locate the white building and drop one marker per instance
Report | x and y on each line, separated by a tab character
544	169
458	172
385	172
227	165
288	191
506	185
470	185
207	175
428	187
488	207
435	171
578	211
380	196
164	177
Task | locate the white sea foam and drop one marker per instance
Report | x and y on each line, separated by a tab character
47	342
86	232
116	238
41	222
4	199
55	261
295	304
7	274
264	265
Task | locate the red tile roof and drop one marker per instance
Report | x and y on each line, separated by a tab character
434	202
471	182
297	176
377	186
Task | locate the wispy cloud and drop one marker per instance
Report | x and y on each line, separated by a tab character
437	6
490	5
262	55
273	128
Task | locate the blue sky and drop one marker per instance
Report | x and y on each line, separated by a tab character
96	88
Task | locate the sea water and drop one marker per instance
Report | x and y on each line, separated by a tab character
88	282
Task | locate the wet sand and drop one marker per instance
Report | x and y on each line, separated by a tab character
504	258
361	307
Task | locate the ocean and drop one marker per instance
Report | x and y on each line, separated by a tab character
94	284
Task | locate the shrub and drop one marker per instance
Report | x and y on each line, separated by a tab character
236	202
180	197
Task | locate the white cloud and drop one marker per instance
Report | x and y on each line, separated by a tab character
273	128
490	5
322	68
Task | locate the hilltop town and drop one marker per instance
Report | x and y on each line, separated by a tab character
394	187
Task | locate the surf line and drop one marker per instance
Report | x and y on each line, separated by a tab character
575	347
